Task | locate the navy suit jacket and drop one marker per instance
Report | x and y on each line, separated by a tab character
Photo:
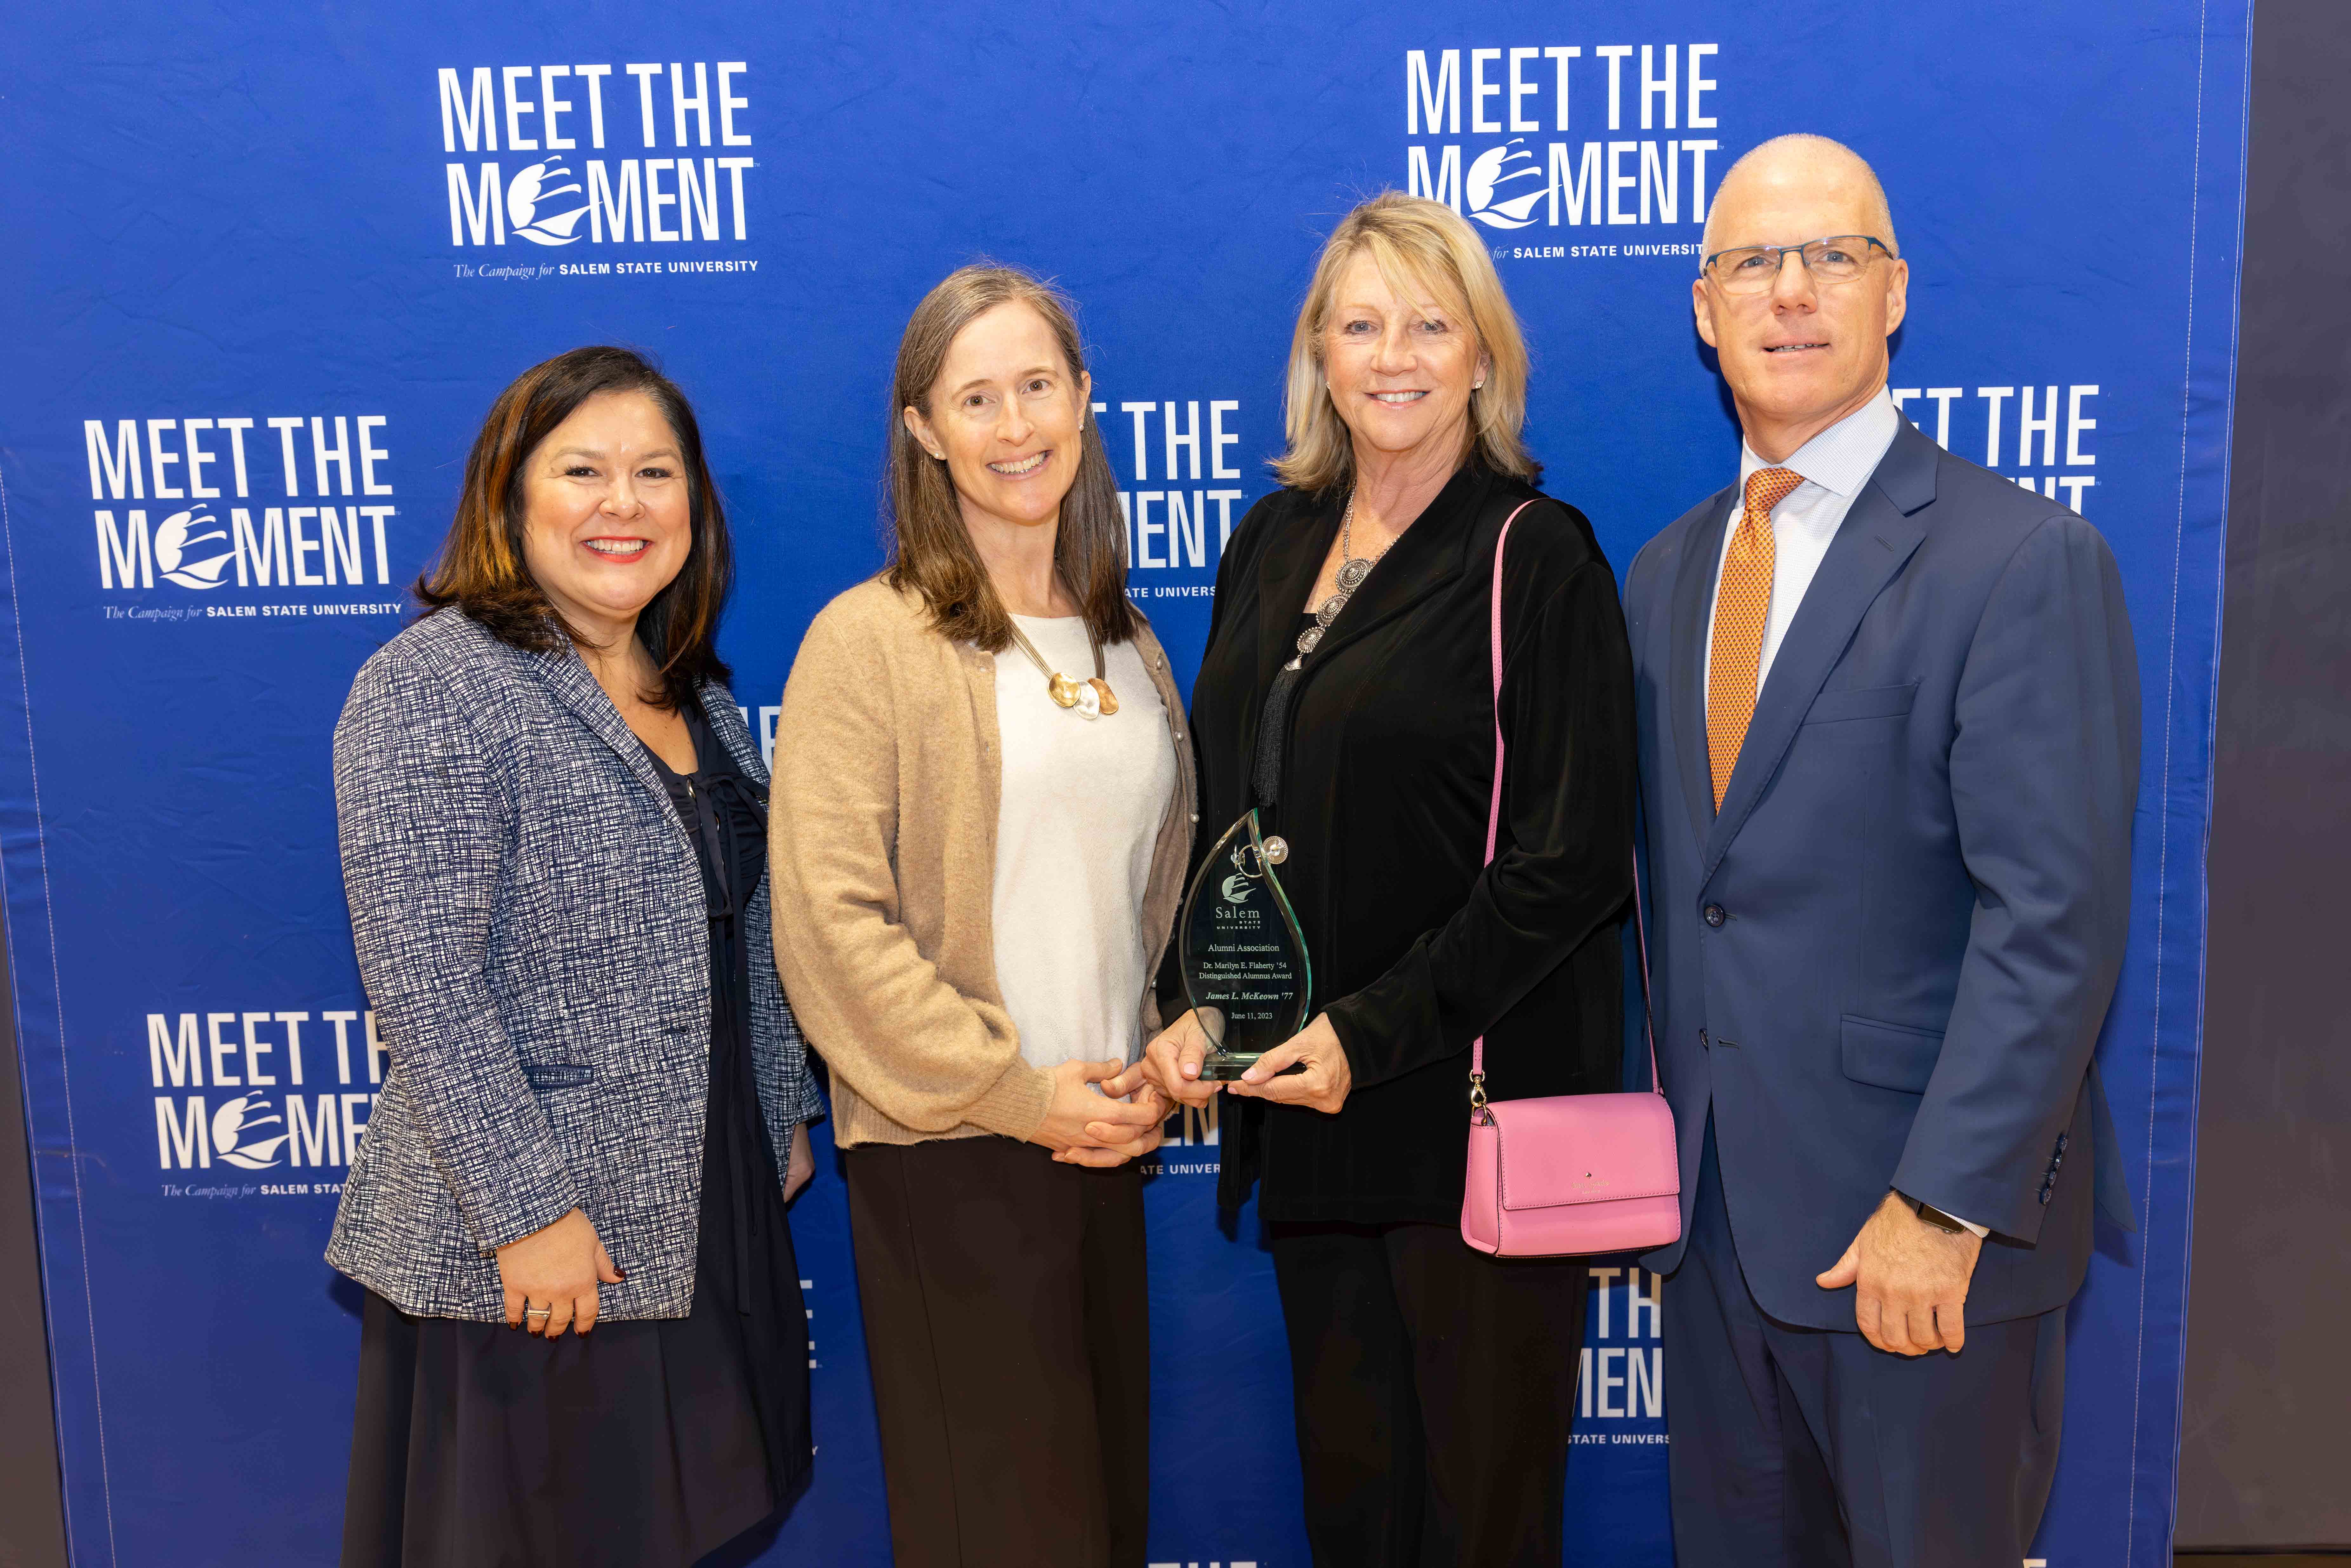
1886	962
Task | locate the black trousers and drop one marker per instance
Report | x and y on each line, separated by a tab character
1008	1325
1436	1395
1799	1447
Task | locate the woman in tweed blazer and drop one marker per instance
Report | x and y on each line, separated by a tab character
553	838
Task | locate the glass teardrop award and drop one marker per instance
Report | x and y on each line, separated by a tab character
1241	954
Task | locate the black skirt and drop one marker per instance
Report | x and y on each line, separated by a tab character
648	1443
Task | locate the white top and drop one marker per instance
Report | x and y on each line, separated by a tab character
1083	797
1835	465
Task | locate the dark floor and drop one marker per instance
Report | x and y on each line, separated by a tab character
2263	1560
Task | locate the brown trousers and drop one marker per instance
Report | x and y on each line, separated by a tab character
1008	1327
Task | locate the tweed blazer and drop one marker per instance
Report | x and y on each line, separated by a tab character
531	931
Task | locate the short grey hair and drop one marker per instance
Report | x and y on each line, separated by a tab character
1880	216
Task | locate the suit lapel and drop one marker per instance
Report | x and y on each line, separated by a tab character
1430	554
568	679
1686	702
1878	536
740	744
1285	574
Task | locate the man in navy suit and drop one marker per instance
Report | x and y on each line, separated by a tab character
1889	754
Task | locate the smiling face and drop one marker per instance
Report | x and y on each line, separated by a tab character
1008	416
606	515
1803	354
1400	370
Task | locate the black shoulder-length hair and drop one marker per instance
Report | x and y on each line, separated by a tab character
481	572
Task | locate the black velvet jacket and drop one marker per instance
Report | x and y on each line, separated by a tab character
1386	778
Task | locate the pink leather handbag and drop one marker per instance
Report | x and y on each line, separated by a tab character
1571	1172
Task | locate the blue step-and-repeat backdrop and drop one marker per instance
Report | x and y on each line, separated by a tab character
266	265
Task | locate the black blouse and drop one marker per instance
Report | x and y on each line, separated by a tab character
1386	779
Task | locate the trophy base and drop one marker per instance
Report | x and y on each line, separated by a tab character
1226	1066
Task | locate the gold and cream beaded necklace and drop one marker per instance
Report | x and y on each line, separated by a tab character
1092	697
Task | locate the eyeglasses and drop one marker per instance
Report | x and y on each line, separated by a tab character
1754	268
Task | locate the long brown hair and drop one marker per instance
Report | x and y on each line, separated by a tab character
482	570
931	551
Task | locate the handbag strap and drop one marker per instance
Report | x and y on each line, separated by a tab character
1493	835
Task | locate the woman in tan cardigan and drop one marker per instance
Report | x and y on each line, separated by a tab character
983	809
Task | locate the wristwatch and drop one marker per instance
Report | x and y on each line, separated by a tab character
1936	1217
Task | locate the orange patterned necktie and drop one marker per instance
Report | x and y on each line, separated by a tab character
1741	606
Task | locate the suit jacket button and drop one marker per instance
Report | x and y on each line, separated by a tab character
1715	914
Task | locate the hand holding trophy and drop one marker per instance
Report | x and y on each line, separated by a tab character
1241	954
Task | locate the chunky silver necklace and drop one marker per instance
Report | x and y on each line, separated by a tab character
1353	569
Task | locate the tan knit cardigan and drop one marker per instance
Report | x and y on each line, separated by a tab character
881	835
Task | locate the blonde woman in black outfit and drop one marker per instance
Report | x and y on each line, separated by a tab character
1434	1385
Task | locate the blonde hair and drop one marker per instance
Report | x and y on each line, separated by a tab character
931	551
1424	250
